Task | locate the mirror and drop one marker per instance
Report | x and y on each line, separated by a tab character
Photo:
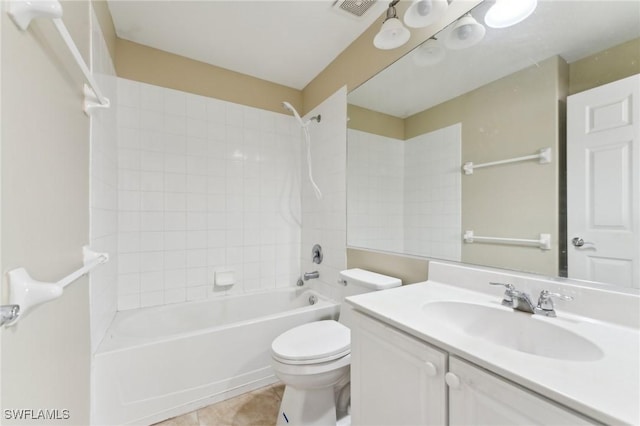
413	126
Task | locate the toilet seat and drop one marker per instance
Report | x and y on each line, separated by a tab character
312	343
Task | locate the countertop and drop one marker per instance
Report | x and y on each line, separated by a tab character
606	389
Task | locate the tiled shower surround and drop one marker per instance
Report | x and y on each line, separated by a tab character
375	180
405	196
324	220
204	186
104	191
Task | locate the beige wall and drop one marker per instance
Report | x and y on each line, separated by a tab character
375	122
101	9
45	215
515	116
409	269
145	64
605	67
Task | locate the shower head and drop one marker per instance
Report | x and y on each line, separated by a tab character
291	109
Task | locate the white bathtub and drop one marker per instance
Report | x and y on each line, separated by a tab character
156	363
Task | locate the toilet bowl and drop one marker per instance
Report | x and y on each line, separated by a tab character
313	360
310	360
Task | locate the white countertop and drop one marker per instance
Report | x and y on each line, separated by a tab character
607	389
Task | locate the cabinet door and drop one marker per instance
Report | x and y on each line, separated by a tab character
395	378
477	397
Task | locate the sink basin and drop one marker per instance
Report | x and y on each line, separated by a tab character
518	331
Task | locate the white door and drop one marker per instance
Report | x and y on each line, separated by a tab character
603	183
480	398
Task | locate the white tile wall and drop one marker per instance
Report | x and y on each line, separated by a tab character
203	185
103	189
406	197
432	193
375	194
324	221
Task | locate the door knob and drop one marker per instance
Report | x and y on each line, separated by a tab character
579	242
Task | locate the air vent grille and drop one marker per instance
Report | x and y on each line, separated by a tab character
355	7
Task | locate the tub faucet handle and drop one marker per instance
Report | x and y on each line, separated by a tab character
316	254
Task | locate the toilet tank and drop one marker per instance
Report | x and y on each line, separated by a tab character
358	281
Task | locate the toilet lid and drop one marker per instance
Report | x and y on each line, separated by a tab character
315	341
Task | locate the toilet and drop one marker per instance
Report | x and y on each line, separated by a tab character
313	359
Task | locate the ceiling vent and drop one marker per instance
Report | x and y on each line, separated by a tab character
354	8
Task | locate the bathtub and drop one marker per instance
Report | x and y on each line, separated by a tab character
156	363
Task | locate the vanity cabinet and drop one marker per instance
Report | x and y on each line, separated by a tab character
397	379
477	397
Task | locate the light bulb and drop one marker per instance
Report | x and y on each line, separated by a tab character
422	13
424	7
464	32
505	13
392	35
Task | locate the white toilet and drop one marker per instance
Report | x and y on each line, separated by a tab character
313	359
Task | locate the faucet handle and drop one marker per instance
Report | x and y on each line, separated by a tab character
545	302
507	299
508	286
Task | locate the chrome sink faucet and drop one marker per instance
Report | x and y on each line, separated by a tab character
545	304
516	299
520	301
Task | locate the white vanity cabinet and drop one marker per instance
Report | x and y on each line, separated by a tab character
396	379
477	397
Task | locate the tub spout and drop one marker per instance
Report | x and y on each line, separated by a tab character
311	275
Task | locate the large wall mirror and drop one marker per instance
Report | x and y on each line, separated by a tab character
413	127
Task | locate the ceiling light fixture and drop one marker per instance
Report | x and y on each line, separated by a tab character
464	33
422	13
429	53
505	13
392	34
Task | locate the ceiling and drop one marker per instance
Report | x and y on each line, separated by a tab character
285	42
569	28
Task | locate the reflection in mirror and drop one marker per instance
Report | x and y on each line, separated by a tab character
415	124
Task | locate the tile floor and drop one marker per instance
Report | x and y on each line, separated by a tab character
256	408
